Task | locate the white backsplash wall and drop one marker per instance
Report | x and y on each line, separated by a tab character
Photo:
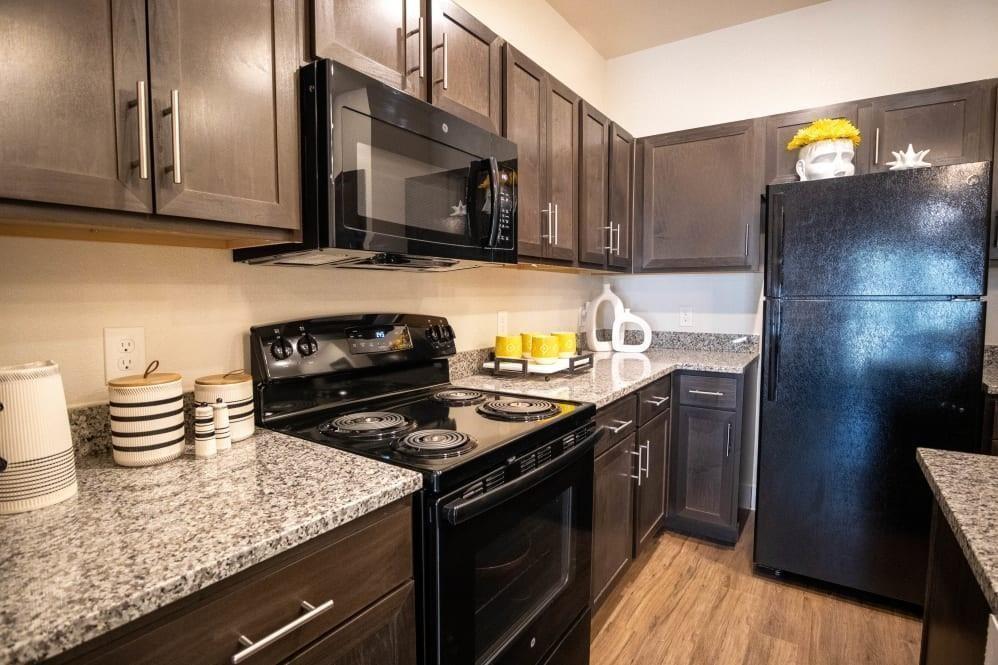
57	296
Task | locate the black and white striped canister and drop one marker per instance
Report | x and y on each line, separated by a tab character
37	466
236	390
223	438
147	418
204	432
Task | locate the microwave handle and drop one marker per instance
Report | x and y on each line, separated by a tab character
463	510
494	189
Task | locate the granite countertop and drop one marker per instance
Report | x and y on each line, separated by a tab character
614	375
966	487
134	540
991	379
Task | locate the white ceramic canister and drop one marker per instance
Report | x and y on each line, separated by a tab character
204	432
147	418
236	390
37	466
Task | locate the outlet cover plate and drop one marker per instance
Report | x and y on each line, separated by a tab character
124	352
686	316
502	322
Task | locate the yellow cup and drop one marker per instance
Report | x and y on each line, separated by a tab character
544	349
528	343
566	344
508	346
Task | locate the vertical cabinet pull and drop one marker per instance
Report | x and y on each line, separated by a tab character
421	67
142	108
641	468
647	448
609	233
746	239
727	445
174	112
556	223
617	250
876	147
443	46
550	213
252	647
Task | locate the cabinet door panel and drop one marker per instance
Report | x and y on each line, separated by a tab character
233	64
948	121
562	165
650	506
467	74
376	37
593	164
525	126
701	488
69	129
993	105
701	197
781	164
613	501
621	196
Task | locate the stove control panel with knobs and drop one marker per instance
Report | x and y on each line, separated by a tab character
281	348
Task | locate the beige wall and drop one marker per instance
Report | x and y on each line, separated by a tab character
830	52
197	305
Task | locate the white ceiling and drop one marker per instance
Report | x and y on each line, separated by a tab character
618	27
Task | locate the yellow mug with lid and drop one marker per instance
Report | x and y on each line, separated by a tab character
566	344
508	346
544	349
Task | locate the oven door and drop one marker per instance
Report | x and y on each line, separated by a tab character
513	564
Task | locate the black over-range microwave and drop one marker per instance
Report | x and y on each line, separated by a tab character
390	181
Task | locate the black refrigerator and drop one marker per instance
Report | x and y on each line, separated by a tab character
873	337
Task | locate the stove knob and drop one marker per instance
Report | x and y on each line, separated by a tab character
281	349
307	345
432	332
448	332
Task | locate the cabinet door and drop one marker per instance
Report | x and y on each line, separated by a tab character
702	483
949	121
994	178
594	133
701	198
69	129
613	501
384	634
525	124
230	151
380	38
621	197
562	168
781	164
650	492
466	66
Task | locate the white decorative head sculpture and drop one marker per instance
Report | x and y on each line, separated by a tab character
830	158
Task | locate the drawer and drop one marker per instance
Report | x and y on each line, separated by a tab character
616	421
712	392
654	399
353	566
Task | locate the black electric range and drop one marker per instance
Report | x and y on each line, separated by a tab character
502	529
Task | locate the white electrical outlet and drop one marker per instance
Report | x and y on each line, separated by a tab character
502	322
686	316
124	352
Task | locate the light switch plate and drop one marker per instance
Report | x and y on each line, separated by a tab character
686	316
124	352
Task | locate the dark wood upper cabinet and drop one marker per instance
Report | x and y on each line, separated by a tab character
224	110
704	457
701	198
380	38
594	160
953	122
465	66
781	164
613	501
621	198
650	491
540	118
71	133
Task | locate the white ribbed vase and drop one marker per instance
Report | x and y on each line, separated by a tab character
37	468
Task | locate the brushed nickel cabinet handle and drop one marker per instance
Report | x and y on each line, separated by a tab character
655	400
709	393
253	648
443	46
727	445
550	213
174	112
609	245
623	424
640	465
646	446
142	108
556	223
421	68
617	250
876	147
746	239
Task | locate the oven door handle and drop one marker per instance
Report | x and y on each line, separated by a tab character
463	510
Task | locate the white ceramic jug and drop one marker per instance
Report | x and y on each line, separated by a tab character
607	297
617	336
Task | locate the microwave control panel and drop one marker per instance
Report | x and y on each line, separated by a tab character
507	208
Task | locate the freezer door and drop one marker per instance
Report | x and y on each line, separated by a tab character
850	389
918	232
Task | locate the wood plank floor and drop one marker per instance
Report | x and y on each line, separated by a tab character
693	603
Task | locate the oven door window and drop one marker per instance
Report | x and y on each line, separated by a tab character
399	183
513	578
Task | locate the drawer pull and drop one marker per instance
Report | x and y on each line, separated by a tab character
710	393
622	425
655	400
253	647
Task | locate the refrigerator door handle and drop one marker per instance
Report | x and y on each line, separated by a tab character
774	351
781	217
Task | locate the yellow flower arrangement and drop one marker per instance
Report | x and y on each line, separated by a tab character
823	130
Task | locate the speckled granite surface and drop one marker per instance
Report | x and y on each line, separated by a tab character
613	375
134	540
966	487
990	378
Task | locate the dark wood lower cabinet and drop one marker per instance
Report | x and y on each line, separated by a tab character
613	501
955	622
650	490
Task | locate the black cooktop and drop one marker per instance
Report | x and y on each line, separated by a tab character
440	429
